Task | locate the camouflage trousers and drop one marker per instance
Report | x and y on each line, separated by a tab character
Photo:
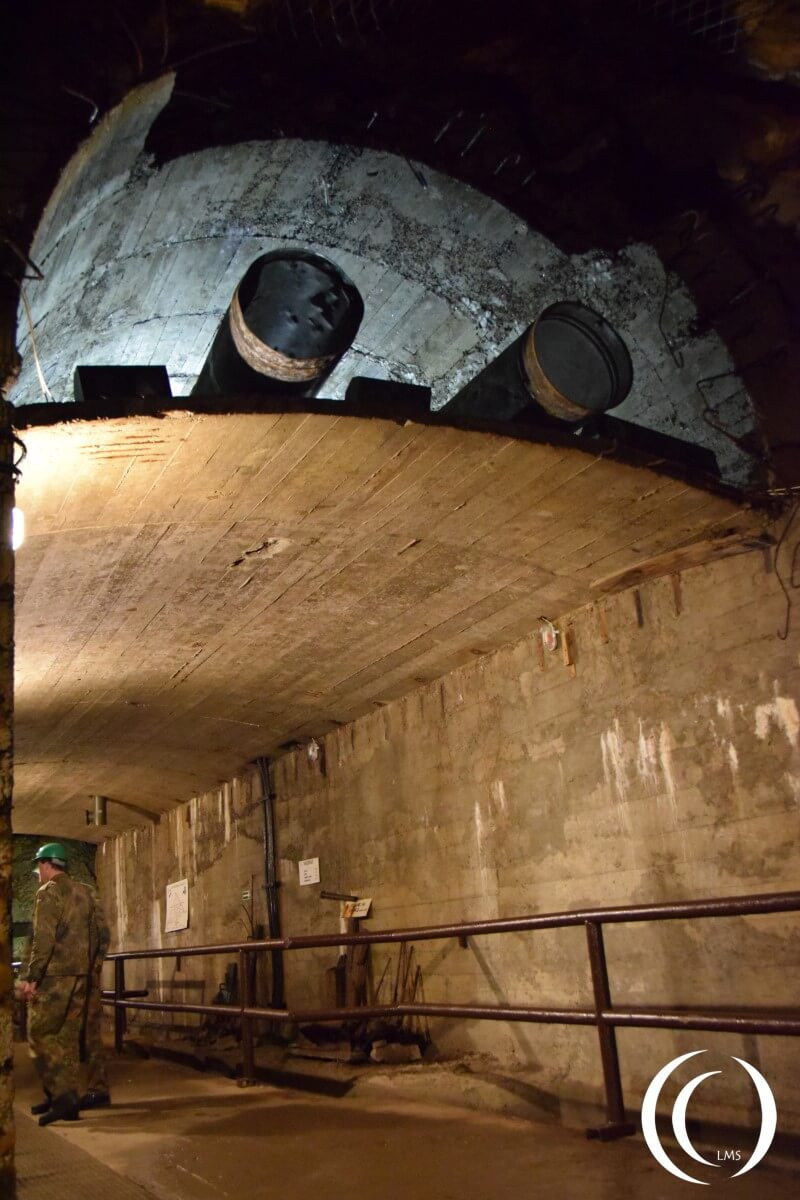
96	1076
55	1020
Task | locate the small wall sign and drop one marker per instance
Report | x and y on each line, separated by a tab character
309	871
177	914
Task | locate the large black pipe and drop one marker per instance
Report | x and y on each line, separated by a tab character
292	317
271	883
568	366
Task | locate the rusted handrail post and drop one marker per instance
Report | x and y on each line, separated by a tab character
616	1126
246	993
120	1015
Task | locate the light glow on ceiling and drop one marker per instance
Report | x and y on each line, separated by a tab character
17	528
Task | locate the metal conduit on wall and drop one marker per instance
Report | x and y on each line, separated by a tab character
271	882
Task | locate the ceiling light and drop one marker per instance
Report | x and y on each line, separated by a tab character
17	528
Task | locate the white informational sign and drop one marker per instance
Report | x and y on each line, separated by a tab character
309	871
356	908
177	916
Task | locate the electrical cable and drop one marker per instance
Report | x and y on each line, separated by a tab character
48	395
794	582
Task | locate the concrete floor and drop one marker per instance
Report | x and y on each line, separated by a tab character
50	1166
180	1135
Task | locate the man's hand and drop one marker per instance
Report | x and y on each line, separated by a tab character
28	991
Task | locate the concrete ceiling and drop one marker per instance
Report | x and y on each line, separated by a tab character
195	590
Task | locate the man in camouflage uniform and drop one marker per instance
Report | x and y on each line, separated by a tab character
67	934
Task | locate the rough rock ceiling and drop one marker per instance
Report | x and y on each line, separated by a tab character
197	589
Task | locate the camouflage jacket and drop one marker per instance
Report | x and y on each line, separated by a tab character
69	930
100	936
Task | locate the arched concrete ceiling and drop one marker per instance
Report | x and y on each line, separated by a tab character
197	589
585	135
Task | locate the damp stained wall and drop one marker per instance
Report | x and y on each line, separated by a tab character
662	765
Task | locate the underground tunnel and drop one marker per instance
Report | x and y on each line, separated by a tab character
408	523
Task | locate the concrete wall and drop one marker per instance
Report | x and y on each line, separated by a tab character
216	842
662	765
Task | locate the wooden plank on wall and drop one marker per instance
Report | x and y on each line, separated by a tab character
703	551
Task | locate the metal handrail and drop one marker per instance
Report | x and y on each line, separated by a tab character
767	902
603	1014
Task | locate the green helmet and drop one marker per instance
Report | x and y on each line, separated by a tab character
52	852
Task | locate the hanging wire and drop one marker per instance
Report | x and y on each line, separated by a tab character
218	49
13	468
24	258
134	43
669	340
93	105
719	23
48	395
164	32
794	581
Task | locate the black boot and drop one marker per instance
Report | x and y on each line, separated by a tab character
95	1100
64	1108
44	1105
